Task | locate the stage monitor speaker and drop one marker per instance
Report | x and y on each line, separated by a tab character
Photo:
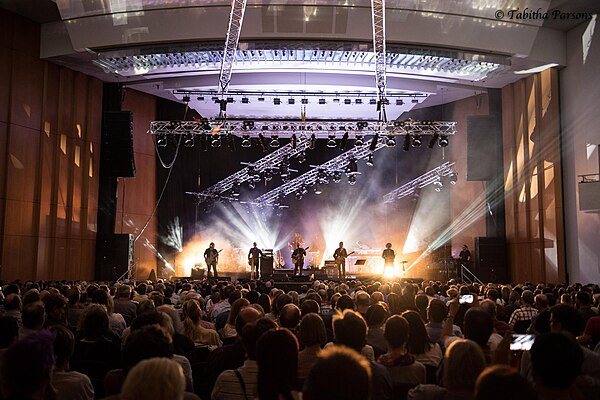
482	147
114	256
490	259
301	278
266	267
117	143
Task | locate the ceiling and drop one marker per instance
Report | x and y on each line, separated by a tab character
317	50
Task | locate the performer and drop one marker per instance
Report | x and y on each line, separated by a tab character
211	257
340	255
253	257
298	259
388	255
465	254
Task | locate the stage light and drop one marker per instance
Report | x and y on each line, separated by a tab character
331	143
337	177
245	100
216	141
204	142
230	99
390	141
312	142
186	99
317	189
235	189
246	141
372	102
322	101
248	124
362	125
453	178
200	98
415	101
291	101
277	101
268	174
433	139
251	184
443	141
304	189
352	180
304	101
161	140
370	161
344	141
416	141
301	157
438	185
336	100
352	167
274	141
189	140
284	171
373	144
263	142
299	194
322	176
399	102
358	101
261	99
215	99
359	140
231	142
406	144
347	101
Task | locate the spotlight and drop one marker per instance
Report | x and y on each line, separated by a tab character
235	189
372	102
358	101
261	99
230	99
322	101
373	144
246	142
390	141
359	140
433	139
352	180
337	177
438	185
304	101
453	178
277	101
399	102
317	189
251	184
186	99
263	142
352	167
362	125
312	142
268	174
274	141
416	141
304	189
284	171
245	100
331	142
231	142
347	101
291	101
406	143
415	101
189	140
301	157
161	140
322	176
216	141
344	141
370	162
443	141
299	194
248	124
200	98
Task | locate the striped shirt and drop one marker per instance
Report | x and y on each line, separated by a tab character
228	385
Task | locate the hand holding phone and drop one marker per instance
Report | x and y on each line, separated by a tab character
465	298
521	342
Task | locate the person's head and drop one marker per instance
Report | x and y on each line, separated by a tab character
289	317
583	299
33	315
541	301
501	382
339	373
26	368
388	245
236	307
233	296
436	311
350	329
478	326
13	302
192	310
312	330
341	244
124	292
465	247
363	301
418	338
565	318
309	306
396	332
9	330
211	245
463	363
64	344
252	332
103	298
247	315
527	297
155	378
142	288
556	360
73	295
175	318
254	244
265	302
421	301
56	306
279	302
145	343
277	359
345	302
377	314
94	322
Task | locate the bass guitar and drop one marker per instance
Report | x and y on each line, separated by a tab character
298	256
339	259
212	258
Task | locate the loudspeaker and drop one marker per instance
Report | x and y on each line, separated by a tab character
482	147
114	255
490	259
117	143
266	267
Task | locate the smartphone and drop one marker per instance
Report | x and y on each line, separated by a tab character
521	342
465	298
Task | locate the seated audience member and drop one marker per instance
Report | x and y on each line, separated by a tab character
74	308
33	317
124	305
309	306
377	314
501	382
419	344
583	301
312	336
228	330
363	302
522	316
339	373
140	294
242	383
394	304
345	302
265	302
402	366
192	313
277	359
479	327
26	369
56	310
182	345
422	301
222	317
12	308
289	317
491	308
145	306
69	385
436	314
556	361
9	333
116	322
350	330
463	363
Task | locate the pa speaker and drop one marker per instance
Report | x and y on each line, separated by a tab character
266	267
482	147
114	256
490	260
117	143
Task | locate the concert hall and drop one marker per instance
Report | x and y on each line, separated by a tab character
233	199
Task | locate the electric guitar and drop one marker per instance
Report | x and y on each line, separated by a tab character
299	256
212	258
339	259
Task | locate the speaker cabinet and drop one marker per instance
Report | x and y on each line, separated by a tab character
490	259
117	143
114	256
266	267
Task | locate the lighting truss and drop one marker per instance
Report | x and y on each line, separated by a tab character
428	178
378	17
236	17
286	128
311	177
270	161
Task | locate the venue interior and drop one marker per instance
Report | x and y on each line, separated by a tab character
134	133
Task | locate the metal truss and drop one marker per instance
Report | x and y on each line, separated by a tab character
269	162
236	17
326	170
428	178
378	17
285	129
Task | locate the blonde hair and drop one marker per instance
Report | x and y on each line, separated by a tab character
155	378
463	363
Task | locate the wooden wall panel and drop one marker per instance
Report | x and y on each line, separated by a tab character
26	90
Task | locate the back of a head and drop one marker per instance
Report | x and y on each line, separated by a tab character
339	373
396	331
280	302
568	317
527	297
246	315
345	302
421	301
463	363
289	317
312	330
95	321
64	344
124	292
147	342
363	299
556	360
501	382
478	326
377	314
233	296
12	302
437	311
155	378
33	315
277	359
350	329
309	306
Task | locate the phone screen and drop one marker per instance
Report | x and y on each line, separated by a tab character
465	298
521	342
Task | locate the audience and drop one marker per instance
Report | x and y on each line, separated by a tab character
277	359
312	337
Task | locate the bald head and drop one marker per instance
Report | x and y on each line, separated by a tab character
363	301
247	315
289	317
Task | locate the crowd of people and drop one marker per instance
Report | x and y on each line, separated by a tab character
325	340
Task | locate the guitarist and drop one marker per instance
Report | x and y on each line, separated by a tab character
211	257
253	256
298	259
340	255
